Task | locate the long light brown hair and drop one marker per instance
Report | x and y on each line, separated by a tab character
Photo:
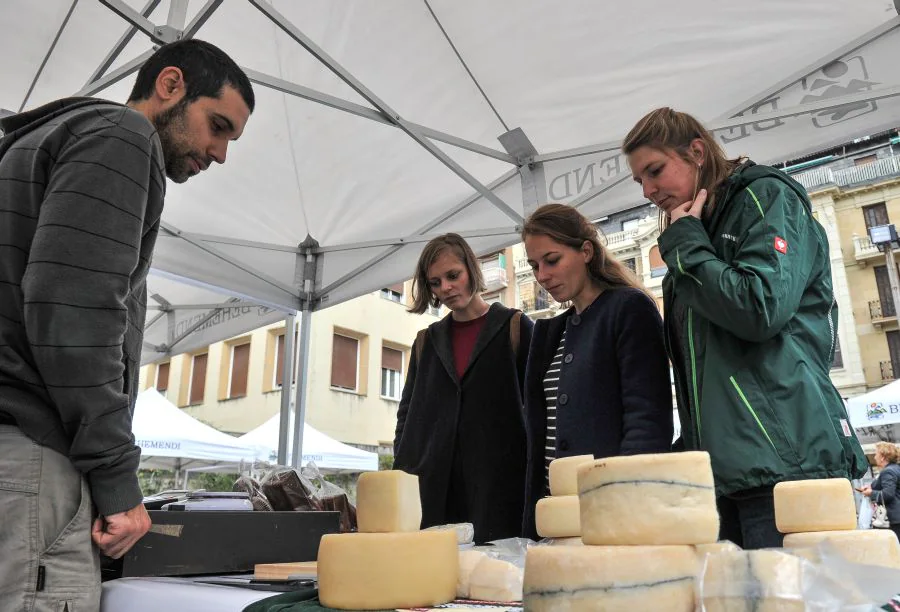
567	226
422	295
667	130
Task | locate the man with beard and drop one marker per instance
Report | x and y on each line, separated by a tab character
82	183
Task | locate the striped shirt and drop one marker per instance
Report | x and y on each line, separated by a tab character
81	193
551	386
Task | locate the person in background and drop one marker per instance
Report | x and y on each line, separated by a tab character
885	490
82	183
459	424
750	320
597	381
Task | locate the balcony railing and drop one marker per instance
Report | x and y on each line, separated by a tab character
620	237
864	249
887	371
495	278
881	312
855	175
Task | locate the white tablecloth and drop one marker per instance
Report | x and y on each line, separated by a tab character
175	595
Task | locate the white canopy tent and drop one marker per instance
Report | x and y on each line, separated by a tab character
378	123
169	438
327	453
876	408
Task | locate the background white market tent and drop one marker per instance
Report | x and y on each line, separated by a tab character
381	124
169	438
328	454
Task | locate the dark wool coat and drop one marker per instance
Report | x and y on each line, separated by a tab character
614	395
466	438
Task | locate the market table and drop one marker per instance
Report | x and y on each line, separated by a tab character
174	594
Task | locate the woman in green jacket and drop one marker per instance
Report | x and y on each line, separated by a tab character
750	321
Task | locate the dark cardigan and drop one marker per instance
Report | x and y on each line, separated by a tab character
614	395
467	436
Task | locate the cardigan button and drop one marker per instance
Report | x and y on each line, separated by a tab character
576	319
563	399
563	445
568	358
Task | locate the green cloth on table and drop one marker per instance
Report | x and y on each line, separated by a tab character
306	600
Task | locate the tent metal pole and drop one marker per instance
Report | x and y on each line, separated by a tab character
483	233
121	44
200	18
287	370
49	53
288	28
134	18
302	384
116	75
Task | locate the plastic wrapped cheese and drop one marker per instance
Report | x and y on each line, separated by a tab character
802	506
558	517
373	571
495	580
648	500
388	502
752	581
866	546
468	561
564	474
609	578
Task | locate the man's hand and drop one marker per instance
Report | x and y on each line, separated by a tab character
689	209
114	535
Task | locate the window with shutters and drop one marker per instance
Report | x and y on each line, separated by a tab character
875	215
657	265
162	378
198	379
393	293
238	370
345	363
885	296
631	264
391	373
278	374
893	340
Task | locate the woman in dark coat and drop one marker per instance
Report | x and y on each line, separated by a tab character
597	381
460	425
885	490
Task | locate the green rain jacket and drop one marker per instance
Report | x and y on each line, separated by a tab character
758	326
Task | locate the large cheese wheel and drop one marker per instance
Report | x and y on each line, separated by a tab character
366	571
388	502
564	542
868	546
609	578
752	581
703	550
564	474
814	505
558	517
648	500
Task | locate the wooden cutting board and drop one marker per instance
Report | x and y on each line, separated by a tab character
283	571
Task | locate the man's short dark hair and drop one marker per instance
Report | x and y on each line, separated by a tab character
206	69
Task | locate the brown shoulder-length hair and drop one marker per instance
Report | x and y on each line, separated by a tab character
667	130
422	295
567	226
889	451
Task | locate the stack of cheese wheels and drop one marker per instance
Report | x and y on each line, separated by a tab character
810	512
558	516
640	519
390	563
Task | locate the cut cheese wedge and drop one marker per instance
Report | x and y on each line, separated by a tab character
495	580
366	571
609	578
558	517
866	546
564	474
802	506
388	502
648	500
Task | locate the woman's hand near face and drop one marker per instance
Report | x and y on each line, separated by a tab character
689	209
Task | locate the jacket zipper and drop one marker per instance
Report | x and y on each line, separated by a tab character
752	411
690	332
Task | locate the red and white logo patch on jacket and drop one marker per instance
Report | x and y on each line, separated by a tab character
780	245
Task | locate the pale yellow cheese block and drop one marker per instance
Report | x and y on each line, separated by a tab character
388	502
495	580
365	571
283	571
753	581
564	474
558	517
609	578
564	542
814	505
468	561
703	550
866	546
648	500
